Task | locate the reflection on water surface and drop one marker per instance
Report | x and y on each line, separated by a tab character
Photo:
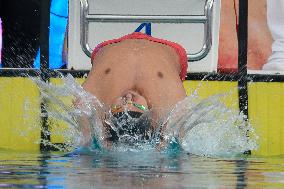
148	169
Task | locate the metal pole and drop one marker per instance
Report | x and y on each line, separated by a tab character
44	63
243	44
146	18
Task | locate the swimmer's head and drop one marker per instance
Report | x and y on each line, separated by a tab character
129	119
131	101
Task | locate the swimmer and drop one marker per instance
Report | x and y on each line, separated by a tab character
136	74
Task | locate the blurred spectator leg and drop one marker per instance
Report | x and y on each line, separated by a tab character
275	17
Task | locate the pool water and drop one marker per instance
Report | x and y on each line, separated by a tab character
147	169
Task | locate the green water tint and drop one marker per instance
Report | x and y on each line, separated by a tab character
202	127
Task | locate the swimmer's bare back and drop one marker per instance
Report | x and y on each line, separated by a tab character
148	68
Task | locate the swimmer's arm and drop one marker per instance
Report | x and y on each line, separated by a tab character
83	124
86	131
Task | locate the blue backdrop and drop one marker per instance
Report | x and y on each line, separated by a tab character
58	26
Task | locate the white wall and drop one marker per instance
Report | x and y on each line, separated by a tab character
188	35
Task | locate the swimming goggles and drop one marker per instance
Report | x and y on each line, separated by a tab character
115	108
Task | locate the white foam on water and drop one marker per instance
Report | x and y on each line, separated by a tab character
202	127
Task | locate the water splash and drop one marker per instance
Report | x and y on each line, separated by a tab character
202	127
208	127
68	103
